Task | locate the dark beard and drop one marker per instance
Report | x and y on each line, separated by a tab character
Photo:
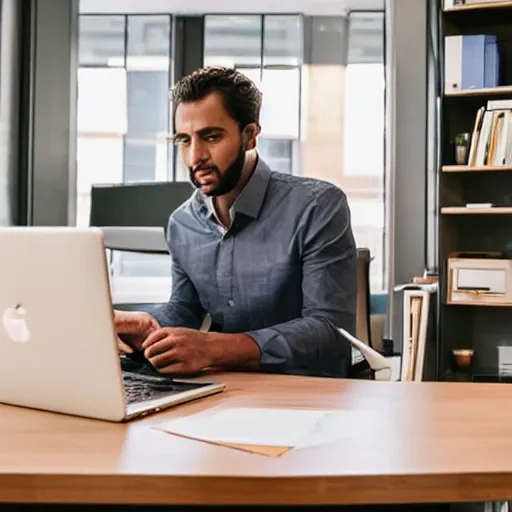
226	182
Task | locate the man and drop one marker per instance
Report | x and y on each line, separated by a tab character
271	257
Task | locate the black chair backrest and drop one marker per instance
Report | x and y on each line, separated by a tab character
363	329
137	204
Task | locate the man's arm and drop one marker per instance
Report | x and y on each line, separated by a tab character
184	308
329	284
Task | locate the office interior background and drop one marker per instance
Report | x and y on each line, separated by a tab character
84	100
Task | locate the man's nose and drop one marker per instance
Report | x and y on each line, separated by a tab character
198	153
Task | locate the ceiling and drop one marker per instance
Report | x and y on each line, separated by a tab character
318	7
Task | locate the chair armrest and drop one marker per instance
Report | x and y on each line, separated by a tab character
378	363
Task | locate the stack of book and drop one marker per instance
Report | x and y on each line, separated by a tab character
491	140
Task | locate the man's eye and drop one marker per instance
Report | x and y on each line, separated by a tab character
212	138
181	142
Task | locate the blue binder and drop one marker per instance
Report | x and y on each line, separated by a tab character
492	63
480	62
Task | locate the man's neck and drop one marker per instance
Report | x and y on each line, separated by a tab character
224	203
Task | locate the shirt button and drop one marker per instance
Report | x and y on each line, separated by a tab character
231	303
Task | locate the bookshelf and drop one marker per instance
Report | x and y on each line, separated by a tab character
487	179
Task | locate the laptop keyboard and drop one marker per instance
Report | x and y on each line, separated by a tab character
142	382
139	388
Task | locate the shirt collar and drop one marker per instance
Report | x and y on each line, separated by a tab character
251	198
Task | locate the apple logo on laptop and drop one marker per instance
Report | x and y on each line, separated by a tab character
15	324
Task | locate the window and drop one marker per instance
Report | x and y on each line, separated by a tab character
123	122
343	121
123	106
268	49
277	153
322	79
363	136
323	103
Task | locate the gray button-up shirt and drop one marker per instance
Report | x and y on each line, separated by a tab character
284	272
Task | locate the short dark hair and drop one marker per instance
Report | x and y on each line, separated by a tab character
241	97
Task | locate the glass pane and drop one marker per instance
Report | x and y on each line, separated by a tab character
277	154
366	37
101	40
141	265
182	172
145	160
253	74
149	39
140	278
363	136
99	160
364	120
101	100
342	135
282	41
368	225
148	101
280	106
232	41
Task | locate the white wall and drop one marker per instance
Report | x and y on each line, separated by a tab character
228	6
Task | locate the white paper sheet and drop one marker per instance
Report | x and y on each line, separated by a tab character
248	426
337	426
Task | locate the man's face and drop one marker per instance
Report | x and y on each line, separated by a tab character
211	145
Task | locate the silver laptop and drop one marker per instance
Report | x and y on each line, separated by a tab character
58	348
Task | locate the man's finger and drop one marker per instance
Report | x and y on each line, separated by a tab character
163	360
123	347
159	347
174	368
123	323
154	337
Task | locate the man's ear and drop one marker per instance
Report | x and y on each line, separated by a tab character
250	136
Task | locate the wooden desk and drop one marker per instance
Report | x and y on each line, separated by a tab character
426	442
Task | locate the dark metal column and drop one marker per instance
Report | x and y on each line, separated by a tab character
10	43
48	144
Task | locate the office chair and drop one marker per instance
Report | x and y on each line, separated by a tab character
367	363
137	204
376	366
363	319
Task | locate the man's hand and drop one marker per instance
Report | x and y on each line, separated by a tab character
132	328
179	350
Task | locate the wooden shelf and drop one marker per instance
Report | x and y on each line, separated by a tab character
479	7
481	304
485	168
488	91
462	210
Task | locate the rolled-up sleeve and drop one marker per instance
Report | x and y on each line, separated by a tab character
312	342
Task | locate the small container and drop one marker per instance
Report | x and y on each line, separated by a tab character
463	357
